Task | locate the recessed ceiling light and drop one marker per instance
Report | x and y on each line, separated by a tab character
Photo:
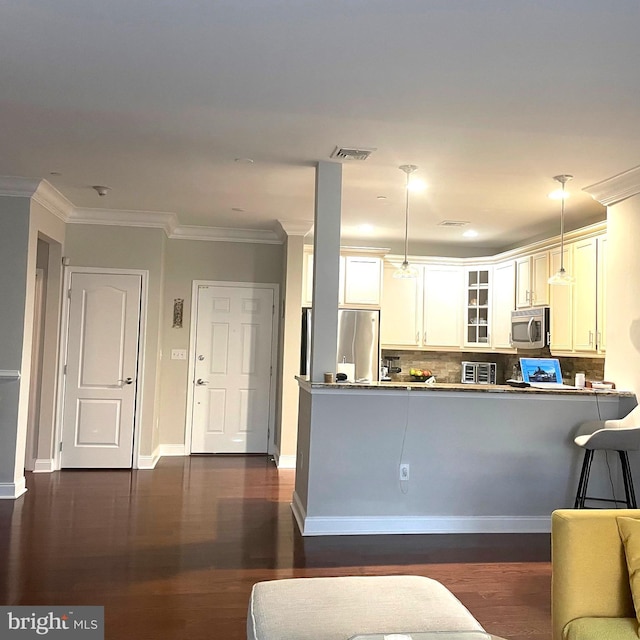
470	233
238	209
244	160
365	228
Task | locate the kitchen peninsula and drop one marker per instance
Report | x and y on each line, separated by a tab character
481	458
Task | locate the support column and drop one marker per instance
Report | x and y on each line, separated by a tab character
326	269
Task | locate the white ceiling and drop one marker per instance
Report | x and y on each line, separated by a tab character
490	98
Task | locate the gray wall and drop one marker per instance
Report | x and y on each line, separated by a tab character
186	261
14	250
130	248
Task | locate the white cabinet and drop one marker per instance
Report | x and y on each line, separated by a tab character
584	295
561	302
589	264
425	311
532	274
360	280
401	310
477	315
601	315
443	299
503	302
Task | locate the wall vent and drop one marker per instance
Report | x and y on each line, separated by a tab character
453	223
351	153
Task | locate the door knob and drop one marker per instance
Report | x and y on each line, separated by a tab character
201	382
126	381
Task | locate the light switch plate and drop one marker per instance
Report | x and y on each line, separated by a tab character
178	354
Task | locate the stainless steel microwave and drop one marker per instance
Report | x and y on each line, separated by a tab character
530	328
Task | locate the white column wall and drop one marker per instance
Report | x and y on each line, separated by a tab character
622	362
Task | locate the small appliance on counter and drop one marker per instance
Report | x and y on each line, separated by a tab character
388	368
479	372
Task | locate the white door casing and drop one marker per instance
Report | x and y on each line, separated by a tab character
232	369
102	364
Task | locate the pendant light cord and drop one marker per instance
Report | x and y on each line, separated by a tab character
562	230
406	221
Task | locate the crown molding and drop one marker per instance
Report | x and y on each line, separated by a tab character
125	218
295	227
223	234
18	187
617	188
53	201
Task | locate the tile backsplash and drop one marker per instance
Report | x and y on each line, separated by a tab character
446	366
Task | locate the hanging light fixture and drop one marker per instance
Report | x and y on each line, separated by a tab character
406	270
561	277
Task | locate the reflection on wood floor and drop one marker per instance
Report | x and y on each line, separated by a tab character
173	552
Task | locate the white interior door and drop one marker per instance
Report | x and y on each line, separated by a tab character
101	370
232	372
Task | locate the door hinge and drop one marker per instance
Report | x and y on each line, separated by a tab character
60	446
69	294
64	370
271	370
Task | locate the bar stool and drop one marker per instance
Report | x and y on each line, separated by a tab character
612	435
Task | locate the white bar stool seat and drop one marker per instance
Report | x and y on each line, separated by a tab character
621	435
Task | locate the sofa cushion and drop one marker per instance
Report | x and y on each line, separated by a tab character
338	608
630	534
601	629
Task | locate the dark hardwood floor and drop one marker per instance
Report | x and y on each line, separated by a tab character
174	552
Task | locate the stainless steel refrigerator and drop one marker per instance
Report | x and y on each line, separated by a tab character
358	342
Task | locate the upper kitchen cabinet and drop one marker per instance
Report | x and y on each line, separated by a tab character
503	302
422	312
589	262
477	306
532	274
360	281
443	297
401	310
561	302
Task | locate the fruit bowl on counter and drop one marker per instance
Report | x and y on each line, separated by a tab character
420	375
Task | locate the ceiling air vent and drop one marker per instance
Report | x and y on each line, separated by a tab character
453	223
351	153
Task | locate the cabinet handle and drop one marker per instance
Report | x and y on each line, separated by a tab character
425	338
532	298
527	296
599	338
417	337
590	338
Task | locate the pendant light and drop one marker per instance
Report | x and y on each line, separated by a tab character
406	270
561	277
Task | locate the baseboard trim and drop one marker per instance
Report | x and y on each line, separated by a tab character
12	490
299	512
148	462
172	450
285	462
320	526
44	465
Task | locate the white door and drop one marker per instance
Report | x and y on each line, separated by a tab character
232	373
101	370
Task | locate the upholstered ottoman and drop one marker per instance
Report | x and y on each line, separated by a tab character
338	608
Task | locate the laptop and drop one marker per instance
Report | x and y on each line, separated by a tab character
543	373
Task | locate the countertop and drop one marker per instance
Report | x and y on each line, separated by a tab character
459	386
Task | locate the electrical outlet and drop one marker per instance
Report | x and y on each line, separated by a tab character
404	472
178	354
